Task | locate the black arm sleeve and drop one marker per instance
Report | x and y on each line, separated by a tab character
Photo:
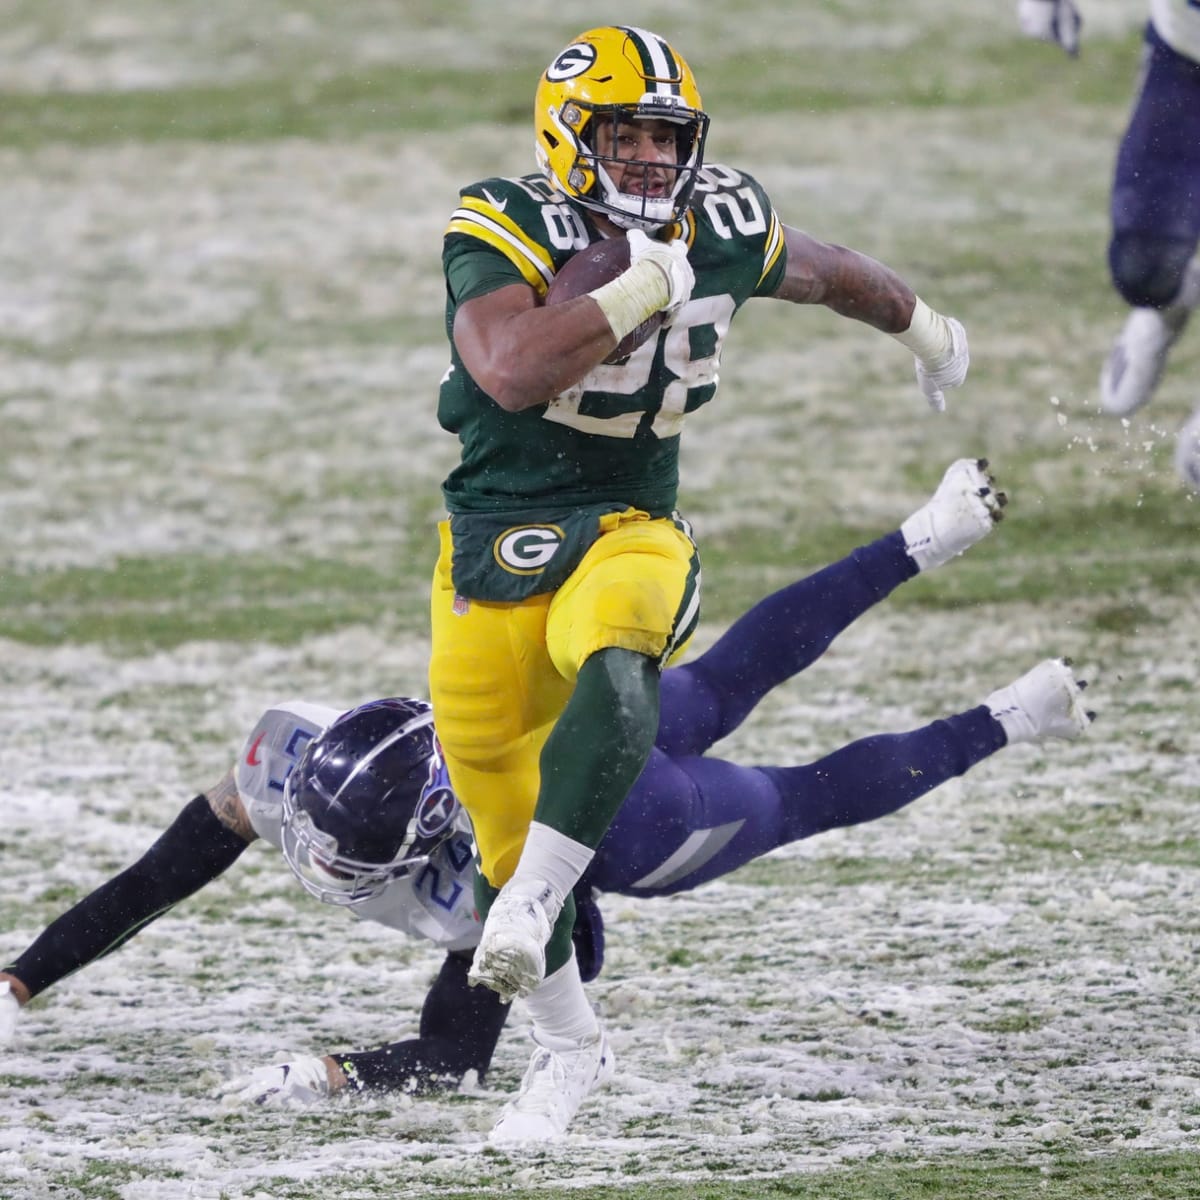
460	1026
192	852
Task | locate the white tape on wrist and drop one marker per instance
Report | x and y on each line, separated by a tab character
633	297
928	335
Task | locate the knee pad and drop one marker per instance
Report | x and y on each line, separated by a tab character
1146	270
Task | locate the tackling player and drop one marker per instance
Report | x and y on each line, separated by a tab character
362	810
566	579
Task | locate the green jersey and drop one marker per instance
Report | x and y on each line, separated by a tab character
612	439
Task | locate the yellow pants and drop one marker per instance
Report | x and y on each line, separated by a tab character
500	674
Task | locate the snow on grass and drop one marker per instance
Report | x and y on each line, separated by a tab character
1004	967
225	351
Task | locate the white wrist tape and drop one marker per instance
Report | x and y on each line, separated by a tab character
928	335
633	297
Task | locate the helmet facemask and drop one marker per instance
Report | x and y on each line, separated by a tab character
628	207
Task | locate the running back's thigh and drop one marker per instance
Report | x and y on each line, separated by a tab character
637	588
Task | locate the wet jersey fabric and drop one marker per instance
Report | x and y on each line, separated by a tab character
614	437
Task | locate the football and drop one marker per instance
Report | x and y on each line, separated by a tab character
587	270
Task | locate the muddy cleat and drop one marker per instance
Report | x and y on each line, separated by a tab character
511	955
556	1082
1045	702
1187	453
964	509
1135	363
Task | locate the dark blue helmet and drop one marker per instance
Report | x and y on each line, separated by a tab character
368	802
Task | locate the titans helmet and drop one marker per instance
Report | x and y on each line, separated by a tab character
368	802
614	74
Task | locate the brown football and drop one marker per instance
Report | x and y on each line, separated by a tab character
585	271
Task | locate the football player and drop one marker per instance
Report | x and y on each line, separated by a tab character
362	809
1155	208
566	579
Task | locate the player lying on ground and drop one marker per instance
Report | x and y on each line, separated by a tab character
361	806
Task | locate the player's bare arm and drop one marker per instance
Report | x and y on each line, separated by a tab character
524	354
855	285
228	808
848	282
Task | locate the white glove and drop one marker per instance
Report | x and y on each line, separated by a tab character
1055	21
9	1008
670	258
296	1084
950	372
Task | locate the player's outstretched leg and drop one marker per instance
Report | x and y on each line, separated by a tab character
1136	361
963	510
559	1077
1046	701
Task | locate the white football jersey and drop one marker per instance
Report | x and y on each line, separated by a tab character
1178	24
436	903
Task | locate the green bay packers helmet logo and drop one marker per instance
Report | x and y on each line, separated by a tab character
526	549
574	60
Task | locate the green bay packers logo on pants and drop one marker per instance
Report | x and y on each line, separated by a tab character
527	549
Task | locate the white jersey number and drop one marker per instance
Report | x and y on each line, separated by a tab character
630	376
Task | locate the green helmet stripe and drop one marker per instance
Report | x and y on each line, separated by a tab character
659	63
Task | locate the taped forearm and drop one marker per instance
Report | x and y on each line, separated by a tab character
928	335
460	1026
192	852
633	297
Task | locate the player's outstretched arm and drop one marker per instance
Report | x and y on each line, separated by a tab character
202	842
857	286
459	1029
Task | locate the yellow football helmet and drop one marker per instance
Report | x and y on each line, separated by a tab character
617	73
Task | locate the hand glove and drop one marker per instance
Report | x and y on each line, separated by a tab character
296	1084
1055	21
9	1008
670	258
950	372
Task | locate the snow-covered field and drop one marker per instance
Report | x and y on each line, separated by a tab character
218	473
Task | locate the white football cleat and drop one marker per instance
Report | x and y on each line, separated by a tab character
1135	363
511	955
555	1084
964	509
1187	452
1045	702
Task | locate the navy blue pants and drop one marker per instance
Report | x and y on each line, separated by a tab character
691	818
1156	187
